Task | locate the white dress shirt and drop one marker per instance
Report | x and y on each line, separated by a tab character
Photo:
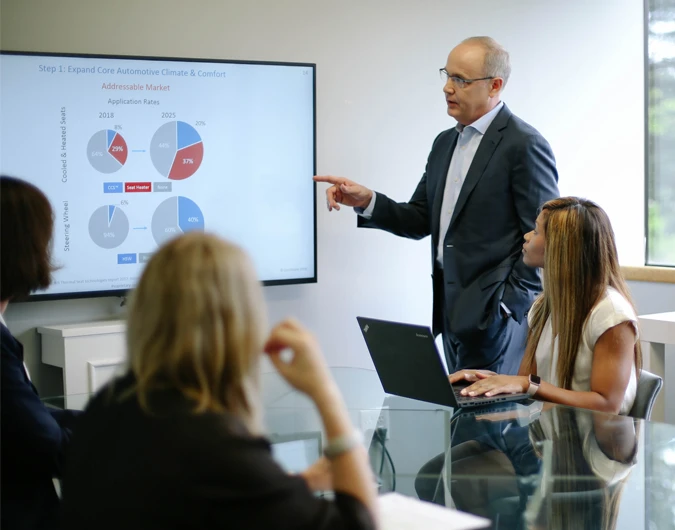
468	141
467	144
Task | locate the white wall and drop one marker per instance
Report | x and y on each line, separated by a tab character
577	77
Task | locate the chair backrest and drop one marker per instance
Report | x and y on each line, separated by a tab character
648	387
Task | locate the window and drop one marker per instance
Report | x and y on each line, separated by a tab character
660	95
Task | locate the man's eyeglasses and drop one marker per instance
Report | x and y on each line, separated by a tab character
459	82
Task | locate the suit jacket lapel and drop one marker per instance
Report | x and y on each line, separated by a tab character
440	188
486	149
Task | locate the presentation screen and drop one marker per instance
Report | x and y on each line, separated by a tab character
133	151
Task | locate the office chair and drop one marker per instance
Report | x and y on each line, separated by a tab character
648	388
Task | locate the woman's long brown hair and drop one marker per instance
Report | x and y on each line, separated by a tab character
580	263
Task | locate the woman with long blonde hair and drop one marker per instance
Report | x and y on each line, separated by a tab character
582	348
177	441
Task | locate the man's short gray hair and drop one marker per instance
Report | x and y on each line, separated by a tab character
497	63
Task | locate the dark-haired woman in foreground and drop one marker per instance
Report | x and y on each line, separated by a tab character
34	438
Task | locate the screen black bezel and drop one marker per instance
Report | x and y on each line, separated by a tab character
124	292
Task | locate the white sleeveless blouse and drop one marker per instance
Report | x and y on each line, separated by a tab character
610	311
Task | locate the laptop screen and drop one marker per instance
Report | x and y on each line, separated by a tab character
296	452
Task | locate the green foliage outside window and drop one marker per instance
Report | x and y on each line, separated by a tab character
661	133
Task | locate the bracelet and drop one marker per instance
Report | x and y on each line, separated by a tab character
342	444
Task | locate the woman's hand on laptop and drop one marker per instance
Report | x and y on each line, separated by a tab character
470	375
498	384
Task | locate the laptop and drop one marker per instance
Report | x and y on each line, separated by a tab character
296	452
408	365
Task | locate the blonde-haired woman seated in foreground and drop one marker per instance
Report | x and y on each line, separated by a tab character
582	348
177	442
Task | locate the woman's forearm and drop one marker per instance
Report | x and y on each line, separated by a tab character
573	398
351	469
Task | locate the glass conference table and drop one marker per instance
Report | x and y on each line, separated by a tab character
529	465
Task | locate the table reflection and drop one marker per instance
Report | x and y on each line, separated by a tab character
536	467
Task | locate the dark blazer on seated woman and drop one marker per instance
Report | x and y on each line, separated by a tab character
34	442
177	469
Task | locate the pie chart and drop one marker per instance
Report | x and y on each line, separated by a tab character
108	226
175	216
176	150
107	151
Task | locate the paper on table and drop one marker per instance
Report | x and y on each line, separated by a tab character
398	512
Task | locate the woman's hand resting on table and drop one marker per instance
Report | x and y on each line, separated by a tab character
319	475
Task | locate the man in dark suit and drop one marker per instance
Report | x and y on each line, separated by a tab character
484	181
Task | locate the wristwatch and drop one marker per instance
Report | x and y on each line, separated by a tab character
342	444
535	381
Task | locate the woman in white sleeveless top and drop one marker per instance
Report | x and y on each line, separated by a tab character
582	348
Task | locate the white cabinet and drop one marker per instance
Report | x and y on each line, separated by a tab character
657	331
89	355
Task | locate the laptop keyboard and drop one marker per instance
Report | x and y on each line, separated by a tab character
482	400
